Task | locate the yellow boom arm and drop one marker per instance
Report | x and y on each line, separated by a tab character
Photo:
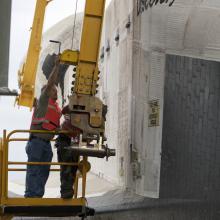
87	111
27	75
87	69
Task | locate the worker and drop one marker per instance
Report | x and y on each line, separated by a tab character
46	116
63	142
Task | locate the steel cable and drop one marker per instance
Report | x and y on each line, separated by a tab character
74	25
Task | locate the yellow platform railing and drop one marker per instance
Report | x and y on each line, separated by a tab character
5	168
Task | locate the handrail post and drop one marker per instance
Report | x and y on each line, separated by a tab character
4	175
1	163
76	186
6	167
84	171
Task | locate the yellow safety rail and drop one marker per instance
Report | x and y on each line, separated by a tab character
4	169
27	75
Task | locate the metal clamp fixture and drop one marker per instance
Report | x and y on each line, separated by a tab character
92	150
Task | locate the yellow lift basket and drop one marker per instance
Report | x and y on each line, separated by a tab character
49	207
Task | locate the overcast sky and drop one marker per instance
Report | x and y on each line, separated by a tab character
22	17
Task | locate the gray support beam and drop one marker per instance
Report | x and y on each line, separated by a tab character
5	20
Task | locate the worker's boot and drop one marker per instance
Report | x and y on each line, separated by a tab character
67	195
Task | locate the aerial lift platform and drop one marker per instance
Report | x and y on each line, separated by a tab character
49	207
39	206
87	112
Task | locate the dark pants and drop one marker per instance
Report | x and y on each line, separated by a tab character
37	150
68	173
